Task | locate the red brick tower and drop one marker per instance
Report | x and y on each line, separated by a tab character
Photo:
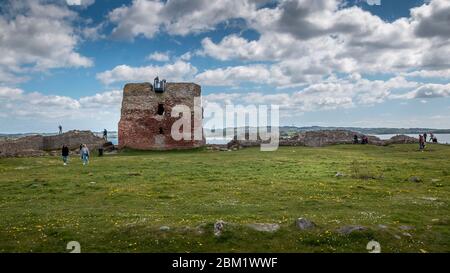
146	119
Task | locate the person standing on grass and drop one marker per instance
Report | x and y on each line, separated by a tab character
421	143
60	129
425	138
364	140
105	135
85	154
65	154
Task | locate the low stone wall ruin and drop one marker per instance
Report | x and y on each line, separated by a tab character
43	145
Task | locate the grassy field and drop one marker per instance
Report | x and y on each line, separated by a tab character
119	202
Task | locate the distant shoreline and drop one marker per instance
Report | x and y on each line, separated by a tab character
288	130
284	129
218	138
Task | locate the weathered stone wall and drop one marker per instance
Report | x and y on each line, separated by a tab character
329	137
72	139
142	127
22	146
40	145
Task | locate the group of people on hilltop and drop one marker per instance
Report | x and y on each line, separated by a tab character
105	132
423	139
84	154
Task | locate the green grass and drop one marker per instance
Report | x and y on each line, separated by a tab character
119	202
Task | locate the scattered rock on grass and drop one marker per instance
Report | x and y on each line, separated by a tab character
339	174
218	228
265	227
429	198
415	179
304	224
406	234
164	228
406	227
186	229
346	230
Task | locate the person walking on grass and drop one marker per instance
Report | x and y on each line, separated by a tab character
425	137
65	154
85	155
421	143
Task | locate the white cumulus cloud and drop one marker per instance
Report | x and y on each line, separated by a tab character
37	36
178	71
159	56
84	3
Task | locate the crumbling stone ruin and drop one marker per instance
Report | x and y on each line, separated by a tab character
324	138
39	145
329	137
146	117
401	139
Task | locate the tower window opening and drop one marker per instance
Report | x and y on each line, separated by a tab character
161	131
160	109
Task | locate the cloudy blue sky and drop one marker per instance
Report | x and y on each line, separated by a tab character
368	63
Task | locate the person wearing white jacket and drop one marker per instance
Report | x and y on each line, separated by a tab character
85	154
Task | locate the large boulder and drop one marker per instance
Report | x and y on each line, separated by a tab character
264	227
346	230
73	139
401	139
109	147
218	228
304	224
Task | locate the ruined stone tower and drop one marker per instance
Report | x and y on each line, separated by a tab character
146	118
